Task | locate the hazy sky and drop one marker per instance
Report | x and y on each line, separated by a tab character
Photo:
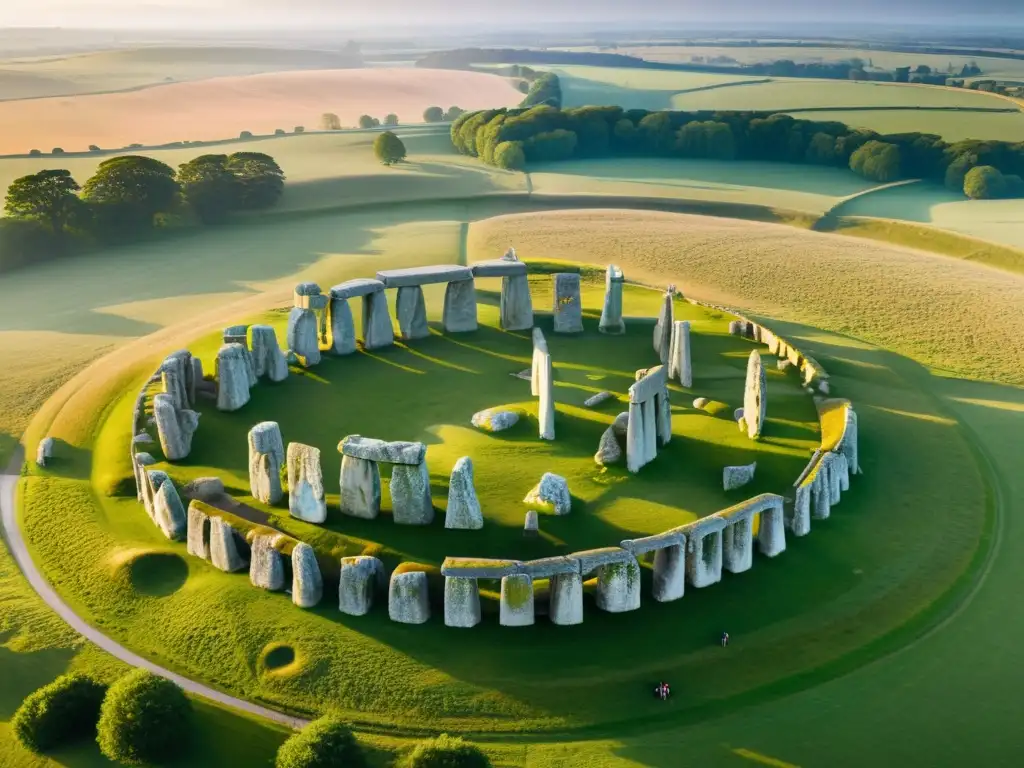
521	14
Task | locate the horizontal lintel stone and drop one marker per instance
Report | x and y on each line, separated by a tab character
591	559
547	567
478	568
654	542
650	385
498	268
350	289
438	273
371	449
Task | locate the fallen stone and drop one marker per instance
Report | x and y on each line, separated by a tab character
204	488
307	583
169	513
224	554
551	494
495	419
621	425
408	601
305	484
174	427
608	450
371	449
266	568
360	488
267	357
143	438
357	584
410	495
461	602
737	477
597	399
463	512
232	377
568	307
266	457
459	314
44	451
516	608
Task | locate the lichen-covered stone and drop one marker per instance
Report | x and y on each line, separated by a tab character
266	457
175	427
459	314
204	488
394	452
463	511
704	557
168	512
174	376
224	553
737	477
408	600
495	419
669	573
611	312
357	584
755	396
461	602
568	308
232	377
608	450
566	599
267	358
410	495
198	536
516	608
307	583
411	309
771	530
360	487
596	400
516	305
738	544
44	451
618	586
305	484
551	494
266	568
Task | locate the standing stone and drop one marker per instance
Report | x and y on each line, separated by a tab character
821	495
842	469
546	404
835	480
650	416
410	494
679	366
357	584
305	484
224	553
266	569
408	600
360	487
207	489
303	337
461	602
307	583
516	609
568	307
343	327
618	586
663	412
267	357
755	396
174	377
566	599
663	326
463	507
540	348
737	477
174	426
704	557
608	450
551	494
411	309
232	377
459	314
635	440
377	329
738	544
611	313
168	512
239	334
849	445
800	522
670	573
516	303
771	530
197	540
195	379
531	523
266	457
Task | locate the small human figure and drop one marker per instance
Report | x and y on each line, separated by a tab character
665	691
725	639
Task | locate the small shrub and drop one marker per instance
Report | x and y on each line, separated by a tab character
144	718
985	182
324	743
388	148
63	711
446	752
245	135
34	153
57	151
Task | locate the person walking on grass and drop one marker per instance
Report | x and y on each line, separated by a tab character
725	639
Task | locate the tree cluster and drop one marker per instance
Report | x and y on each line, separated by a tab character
512	138
60	713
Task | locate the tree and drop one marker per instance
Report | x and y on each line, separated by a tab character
279	132
365	121
454	113
433	115
245	135
260	179
299	129
144	719
510	156
446	752
126	192
328	121
877	160
985	183
63	711
391	119
956	171
209	187
324	743
559	144
388	148
822	149
48	196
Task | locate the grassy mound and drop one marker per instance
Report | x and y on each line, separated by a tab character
149	572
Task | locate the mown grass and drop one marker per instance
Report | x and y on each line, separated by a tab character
952	126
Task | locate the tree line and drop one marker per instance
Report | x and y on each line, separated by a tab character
329	121
512	138
49	213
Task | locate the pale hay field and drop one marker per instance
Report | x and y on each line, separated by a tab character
958	317
951	126
223	107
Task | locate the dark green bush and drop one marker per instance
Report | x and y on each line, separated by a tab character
446	752
324	743
59	713
985	183
144	719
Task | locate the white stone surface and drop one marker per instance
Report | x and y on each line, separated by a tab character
174	427
540	348
267	358
174	377
755	396
669	573
611	312
566	599
700	403
704	558
595	400
408	600
546	404
266	457
343	327
516	305
305	484
463	511
516	608
663	327
618	586
388	452
303	336
459	314
495	419
224	554
608	450
410	494
307	583
842	468
44	451
197	539
461	602
378	331
650	417
737	477
232	377
266	568
771	530
738	544
411	309
551	494
568	307
360	487
821	496
635	440
621	426
531	523
679	360
168	512
663	414
799	523
358	583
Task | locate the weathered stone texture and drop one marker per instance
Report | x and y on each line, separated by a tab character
411	308
378	331
427	275
168	512
410	495
595	400
755	396
566	599
551	494
611	312
268	359
393	452
266	457
224	547
618	586
608	450
516	609
358	583
704	557
461	602
568	307
175	427
495	419
408	600
303	336
738	544
343	327
232	377
737	477
663	327
670	572
679	359
360	487
266	568
459	314
305	484
463	507
546	404
516	306
771	529
307	583
206	489
44	451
